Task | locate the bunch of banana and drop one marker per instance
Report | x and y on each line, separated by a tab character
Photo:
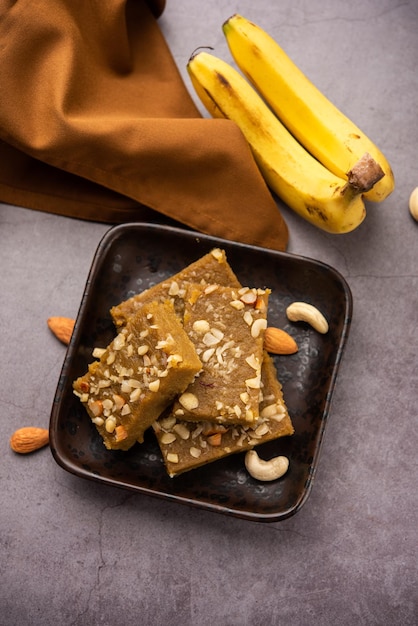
325	199
317	124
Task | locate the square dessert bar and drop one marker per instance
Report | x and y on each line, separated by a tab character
143	369
226	326
187	445
210	268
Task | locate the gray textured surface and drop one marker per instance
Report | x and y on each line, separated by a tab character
75	553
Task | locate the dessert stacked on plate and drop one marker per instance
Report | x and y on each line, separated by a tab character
189	362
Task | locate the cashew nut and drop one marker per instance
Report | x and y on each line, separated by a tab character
304	312
413	204
265	470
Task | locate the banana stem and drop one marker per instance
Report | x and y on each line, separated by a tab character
364	174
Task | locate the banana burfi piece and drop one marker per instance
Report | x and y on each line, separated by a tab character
138	375
210	268
227	326
186	445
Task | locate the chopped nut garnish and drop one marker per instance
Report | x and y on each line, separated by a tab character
253	383
182	431
261	430
211	288
270	410
237	410
174	359
118	401
209	428
237	304
96	407
249	297
174	288
201	326
126	409
110	424
248	318
189	401
167	422
207	354
119	341
120	433
135	395
104	383
107	404
111	358
215	440
245	397
258	326
167	438
260	304
253	362
249	415
154	385
213	337
217	254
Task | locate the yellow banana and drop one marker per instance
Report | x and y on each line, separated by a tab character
306	186
319	126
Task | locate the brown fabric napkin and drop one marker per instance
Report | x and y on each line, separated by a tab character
96	123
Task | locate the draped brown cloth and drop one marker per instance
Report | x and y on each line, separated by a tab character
96	123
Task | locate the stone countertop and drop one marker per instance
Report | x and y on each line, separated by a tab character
74	552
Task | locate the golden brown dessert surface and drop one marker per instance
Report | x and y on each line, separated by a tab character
226	326
210	268
187	445
138	375
189	361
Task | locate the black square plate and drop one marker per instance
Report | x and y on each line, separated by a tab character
131	258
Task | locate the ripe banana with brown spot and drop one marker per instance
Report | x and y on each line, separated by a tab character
324	199
317	124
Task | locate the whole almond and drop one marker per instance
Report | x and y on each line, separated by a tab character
62	327
29	439
278	341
